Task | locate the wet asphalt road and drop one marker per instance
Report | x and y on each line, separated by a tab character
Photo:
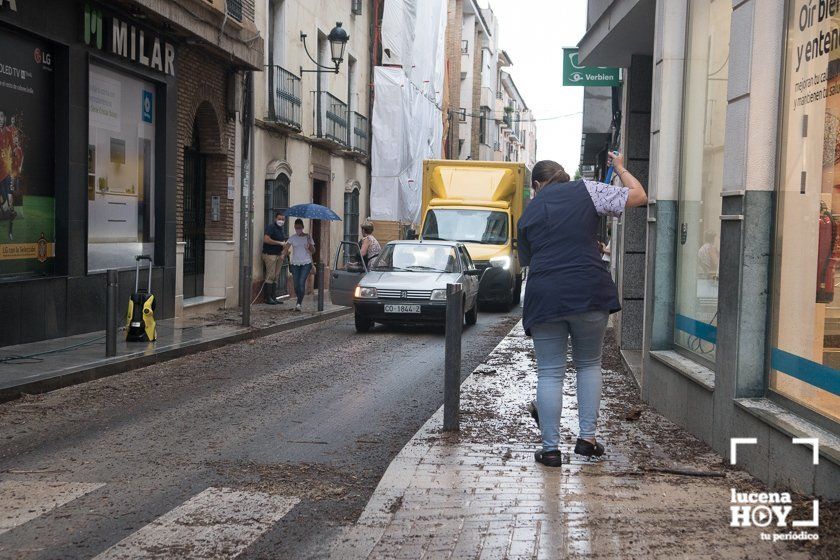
314	414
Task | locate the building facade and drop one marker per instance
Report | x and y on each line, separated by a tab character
92	113
311	149
727	277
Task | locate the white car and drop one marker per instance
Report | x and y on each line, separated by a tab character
405	284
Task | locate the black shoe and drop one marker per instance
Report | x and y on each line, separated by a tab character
549	458
268	294
588	449
274	295
532	409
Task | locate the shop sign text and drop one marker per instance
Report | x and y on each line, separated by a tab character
127	41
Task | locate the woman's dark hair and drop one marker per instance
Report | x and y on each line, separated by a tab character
547	172
298	222
367	228
280	214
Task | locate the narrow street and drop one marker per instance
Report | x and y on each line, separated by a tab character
302	425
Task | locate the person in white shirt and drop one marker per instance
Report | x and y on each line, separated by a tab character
302	247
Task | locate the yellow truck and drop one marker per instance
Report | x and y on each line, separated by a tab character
479	203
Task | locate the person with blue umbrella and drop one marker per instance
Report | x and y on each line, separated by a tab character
302	246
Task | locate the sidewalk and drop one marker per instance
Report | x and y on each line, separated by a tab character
479	493
50	364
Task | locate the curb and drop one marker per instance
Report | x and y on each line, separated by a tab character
379	511
82	374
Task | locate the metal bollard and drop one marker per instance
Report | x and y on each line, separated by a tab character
320	286
452	373
112	289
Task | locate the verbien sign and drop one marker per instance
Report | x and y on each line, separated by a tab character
576	75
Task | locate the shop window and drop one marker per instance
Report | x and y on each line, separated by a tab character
351	216
805	354
704	119
27	158
121	164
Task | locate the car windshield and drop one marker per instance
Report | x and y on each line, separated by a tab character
467	226
416	257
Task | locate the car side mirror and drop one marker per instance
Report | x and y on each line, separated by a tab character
473	272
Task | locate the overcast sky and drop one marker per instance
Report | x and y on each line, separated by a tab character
534	32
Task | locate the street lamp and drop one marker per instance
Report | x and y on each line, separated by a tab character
338	39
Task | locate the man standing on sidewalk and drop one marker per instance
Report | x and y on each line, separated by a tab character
274	241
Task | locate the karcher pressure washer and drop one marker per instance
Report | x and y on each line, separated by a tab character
140	319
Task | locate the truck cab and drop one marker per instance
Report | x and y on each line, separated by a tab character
479	204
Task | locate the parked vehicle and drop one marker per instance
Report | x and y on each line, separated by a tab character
406	283
478	203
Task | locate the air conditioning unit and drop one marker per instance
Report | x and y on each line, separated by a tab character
356	7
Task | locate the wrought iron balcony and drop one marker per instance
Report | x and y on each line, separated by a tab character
334	122
284	103
361	132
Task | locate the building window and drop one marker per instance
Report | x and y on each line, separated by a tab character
121	169
234	9
704	117
482	126
27	160
465	46
462	115
277	199
805	354
351	216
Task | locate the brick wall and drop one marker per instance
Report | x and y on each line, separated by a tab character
475	121
455	15
202	81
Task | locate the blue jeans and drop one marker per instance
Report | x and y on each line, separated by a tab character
550	344
300	272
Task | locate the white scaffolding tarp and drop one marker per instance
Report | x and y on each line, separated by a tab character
407	122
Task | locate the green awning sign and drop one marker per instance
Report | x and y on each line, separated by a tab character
576	75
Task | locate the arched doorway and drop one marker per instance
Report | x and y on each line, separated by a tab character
195	192
277	181
203	174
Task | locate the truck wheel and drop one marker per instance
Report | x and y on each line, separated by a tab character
517	291
363	324
471	316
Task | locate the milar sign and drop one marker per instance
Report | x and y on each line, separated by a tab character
576	75
127	41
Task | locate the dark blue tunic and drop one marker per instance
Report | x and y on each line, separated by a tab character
557	241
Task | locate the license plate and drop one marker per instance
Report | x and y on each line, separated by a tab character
402	309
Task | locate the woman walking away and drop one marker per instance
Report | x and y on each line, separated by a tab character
302	248
370	246
569	293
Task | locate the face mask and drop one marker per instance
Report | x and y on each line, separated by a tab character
280	223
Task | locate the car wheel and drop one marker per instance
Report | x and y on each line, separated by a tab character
471	316
363	324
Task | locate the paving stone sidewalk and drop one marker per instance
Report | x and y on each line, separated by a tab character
479	493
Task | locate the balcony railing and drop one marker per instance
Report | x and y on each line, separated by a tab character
234	9
335	118
285	103
361	131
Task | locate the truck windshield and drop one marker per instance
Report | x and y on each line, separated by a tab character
468	226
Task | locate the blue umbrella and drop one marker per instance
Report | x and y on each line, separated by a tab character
312	212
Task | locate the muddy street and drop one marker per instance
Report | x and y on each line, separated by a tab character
284	437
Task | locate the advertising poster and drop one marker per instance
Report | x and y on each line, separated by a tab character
27	189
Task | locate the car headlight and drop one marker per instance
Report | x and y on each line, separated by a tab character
438	295
365	293
501	262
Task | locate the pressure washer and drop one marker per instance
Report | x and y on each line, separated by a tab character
140	319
